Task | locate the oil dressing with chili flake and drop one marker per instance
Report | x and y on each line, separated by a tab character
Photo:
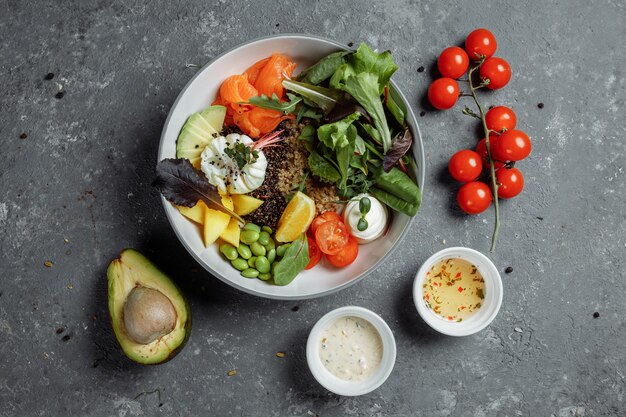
454	289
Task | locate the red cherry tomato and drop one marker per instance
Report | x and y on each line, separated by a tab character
465	165
323	218
480	42
513	145
481	149
500	118
511	182
443	93
474	197
347	255
497	70
315	254
331	237
453	62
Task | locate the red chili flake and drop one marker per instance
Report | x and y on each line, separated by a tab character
427	273
460	289
450	318
428	296
458	274
462	307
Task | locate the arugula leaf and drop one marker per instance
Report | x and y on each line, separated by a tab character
274	103
181	184
334	135
323	168
324	98
364	88
309	112
294	260
324	68
367	60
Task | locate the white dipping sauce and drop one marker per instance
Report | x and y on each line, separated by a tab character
351	349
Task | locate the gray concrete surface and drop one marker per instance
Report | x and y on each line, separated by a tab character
77	190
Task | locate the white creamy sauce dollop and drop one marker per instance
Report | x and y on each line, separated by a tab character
222	171
376	219
351	349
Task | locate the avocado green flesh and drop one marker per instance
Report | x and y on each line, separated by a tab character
198	132
133	269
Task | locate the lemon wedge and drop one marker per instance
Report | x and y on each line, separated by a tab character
296	218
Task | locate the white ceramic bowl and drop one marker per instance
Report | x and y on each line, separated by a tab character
198	94
490	305
340	386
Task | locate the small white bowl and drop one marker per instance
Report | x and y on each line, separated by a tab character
340	386
490	305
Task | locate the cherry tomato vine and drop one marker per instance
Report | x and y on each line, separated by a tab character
502	144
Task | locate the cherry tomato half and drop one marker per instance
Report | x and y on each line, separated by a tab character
481	149
347	255
480	42
474	197
315	254
500	118
465	165
323	218
443	93
511	182
453	62
513	145
331	237
497	70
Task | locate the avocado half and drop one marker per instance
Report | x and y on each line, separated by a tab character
149	314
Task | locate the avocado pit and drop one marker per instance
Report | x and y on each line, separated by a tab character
148	315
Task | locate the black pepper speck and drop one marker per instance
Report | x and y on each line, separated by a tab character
422	113
540	105
66	338
420	69
59	95
49	76
295	308
596	315
508	269
23	136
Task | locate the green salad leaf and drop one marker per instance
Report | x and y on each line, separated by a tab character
294	260
323	168
366	60
334	135
324	68
364	88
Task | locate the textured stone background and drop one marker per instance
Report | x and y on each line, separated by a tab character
83	175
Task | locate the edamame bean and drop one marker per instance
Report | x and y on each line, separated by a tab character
229	251
262	264
253	227
270	245
267	229
244	251
249	236
250	273
271	255
264	277
239	264
264	238
251	261
280	251
257	249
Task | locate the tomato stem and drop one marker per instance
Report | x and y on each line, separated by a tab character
487	131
